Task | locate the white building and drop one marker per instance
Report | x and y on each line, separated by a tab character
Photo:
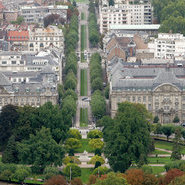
41	38
168	46
36	14
135	14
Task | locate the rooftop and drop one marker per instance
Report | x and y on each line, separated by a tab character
134	27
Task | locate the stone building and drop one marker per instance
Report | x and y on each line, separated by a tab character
161	88
28	88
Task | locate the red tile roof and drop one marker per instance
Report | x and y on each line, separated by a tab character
18	36
1	6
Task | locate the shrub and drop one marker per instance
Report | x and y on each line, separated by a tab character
100	171
96	158
72	168
50	171
93	134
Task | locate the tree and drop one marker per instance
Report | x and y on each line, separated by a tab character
95	134
158	129
10	155
128	138
72	170
98	105
97	84
102	170
71	93
176	119
107	89
135	176
71	159
72	144
176	151
147	169
74	133
56	180
70	81
8	119
96	158
40	150
76	181
50	171
96	143
167	130
92	179
178	180
112	178
156	119
150	179
20	174
172	174
6	175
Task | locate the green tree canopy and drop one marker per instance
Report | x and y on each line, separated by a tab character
128	138
40	150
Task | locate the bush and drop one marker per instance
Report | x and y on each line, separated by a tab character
96	158
178	164
50	171
147	169
96	144
95	134
71	159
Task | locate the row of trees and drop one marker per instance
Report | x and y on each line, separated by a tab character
170	13
93	26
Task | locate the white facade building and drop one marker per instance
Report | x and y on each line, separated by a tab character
135	14
168	46
41	38
36	14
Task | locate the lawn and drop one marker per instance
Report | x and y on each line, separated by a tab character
158	160
86	172
83	37
81	1
82	16
158	169
82	57
159	152
83	77
85	146
83	117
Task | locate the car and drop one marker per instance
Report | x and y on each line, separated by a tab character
183	124
84	98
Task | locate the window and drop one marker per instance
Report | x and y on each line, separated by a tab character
133	98
139	99
4	62
13	62
144	98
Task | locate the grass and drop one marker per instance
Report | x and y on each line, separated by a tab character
158	160
81	1
158	169
82	57
86	172
85	146
82	16
83	117
83	37
159	152
83	77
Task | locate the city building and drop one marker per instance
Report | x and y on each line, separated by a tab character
36	14
18	40
130	14
161	88
41	38
169	46
28	88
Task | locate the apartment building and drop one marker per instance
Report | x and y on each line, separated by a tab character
130	14
168	46
41	38
36	14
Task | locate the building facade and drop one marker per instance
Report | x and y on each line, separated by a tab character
160	88
36	14
169	46
41	38
131	14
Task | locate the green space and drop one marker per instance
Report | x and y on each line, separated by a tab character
83	37
158	160
83	78
85	173
85	146
158	169
82	57
159	152
82	16
81	1
83	117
